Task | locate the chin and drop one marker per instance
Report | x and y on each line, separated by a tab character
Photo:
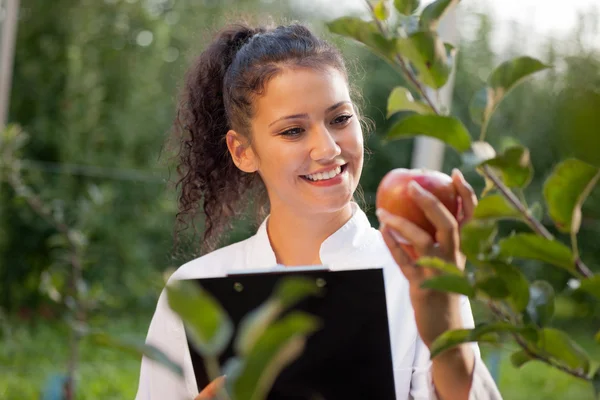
332	206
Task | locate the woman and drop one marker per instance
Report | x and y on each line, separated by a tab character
268	111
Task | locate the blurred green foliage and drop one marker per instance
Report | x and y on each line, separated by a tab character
95	86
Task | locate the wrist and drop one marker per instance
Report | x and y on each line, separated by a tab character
452	372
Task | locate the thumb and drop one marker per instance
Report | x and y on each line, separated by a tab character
211	390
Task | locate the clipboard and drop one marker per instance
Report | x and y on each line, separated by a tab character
348	358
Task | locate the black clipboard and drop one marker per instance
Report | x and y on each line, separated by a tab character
348	358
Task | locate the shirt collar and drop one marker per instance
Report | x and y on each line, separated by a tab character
338	250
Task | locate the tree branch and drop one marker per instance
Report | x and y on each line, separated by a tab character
532	353
536	356
377	21
536	225
416	83
75	276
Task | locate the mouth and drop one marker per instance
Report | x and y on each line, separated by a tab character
327	175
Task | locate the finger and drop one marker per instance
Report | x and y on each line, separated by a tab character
445	223
211	390
413	234
466	193
406	264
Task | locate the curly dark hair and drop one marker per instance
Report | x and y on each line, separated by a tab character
217	96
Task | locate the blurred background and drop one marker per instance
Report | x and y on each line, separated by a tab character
94	83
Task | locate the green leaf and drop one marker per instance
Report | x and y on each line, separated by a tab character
402	100
565	191
450	283
447	129
406	7
597	337
477	238
481	333
514	166
520	357
512	72
440	265
279	345
254	324
429	56
591	285
480	151
137	348
540	308
501	81
435	11
537	210
208	324
289	291
493	286
534	247
366	33
381	10
408	23
558	345
596	384
495	207
516	283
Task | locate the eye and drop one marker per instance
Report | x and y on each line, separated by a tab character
342	119
292	132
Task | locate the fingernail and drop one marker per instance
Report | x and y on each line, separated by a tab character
416	187
381	213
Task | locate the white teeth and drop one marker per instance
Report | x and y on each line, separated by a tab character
324	175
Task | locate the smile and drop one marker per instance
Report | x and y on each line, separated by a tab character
327	175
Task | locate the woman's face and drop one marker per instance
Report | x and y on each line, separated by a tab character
307	142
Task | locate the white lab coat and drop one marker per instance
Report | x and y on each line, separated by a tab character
354	245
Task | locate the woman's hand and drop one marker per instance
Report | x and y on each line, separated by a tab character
211	390
435	311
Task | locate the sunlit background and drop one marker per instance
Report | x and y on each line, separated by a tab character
94	85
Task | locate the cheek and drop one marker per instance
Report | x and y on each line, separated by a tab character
279	160
354	142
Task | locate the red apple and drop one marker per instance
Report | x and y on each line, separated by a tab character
393	196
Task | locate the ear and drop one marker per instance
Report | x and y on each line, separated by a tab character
241	152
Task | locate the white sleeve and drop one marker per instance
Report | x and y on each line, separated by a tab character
483	386
166	332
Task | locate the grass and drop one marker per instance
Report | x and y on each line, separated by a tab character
31	355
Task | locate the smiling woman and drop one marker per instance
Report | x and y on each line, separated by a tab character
268	110
304	131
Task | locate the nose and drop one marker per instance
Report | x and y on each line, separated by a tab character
324	145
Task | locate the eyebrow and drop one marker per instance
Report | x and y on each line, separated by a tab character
329	109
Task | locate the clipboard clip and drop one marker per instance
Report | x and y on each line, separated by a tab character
280	269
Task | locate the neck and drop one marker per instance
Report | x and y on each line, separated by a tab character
296	238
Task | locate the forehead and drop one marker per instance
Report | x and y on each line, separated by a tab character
301	90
